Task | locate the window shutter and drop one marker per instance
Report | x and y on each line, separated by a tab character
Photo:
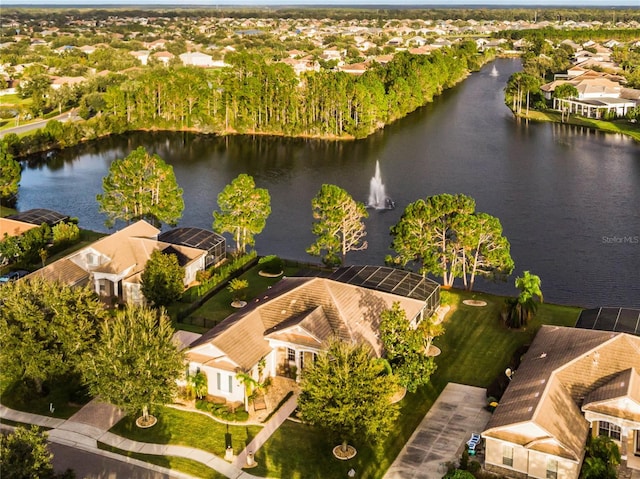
230	384
219	382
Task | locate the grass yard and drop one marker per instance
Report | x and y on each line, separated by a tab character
6	211
14	99
187	429
65	393
476	348
219	306
617	126
188	466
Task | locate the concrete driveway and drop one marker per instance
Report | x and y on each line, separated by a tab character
440	437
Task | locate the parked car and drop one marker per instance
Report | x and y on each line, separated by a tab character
13	275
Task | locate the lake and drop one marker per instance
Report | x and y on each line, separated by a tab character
568	198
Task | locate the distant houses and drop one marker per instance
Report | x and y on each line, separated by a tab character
599	94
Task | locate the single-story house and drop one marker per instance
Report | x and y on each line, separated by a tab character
571	383
114	264
302	65
286	328
164	57
141	55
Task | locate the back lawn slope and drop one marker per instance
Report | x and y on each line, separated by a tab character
476	348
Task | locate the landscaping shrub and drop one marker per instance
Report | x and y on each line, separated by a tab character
216	276
65	234
222	411
271	264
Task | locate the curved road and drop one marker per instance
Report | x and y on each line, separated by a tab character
66	116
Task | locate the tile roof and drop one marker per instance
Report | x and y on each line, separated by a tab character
560	369
624	387
320	306
127	252
11	227
62	271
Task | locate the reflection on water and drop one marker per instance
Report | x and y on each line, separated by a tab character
559	191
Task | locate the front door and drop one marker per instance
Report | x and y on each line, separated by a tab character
636	451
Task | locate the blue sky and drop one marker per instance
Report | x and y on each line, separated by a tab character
520	3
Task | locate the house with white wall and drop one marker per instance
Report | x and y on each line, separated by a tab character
113	265
282	331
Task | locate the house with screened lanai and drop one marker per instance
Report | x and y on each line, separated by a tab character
283	330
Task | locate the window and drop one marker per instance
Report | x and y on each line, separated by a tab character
507	456
225	383
552	469
607	429
291	354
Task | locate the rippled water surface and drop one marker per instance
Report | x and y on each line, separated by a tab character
568	198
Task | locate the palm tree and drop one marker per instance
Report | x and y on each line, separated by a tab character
564	91
521	309
198	384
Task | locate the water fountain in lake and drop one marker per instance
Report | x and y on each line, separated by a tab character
494	72
378	199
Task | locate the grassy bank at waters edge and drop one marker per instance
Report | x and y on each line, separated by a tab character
188	466
619	126
476	348
190	429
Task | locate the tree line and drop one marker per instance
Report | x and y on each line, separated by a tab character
252	96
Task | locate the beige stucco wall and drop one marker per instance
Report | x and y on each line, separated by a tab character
538	466
526	463
191	269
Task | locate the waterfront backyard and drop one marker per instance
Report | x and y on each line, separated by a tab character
476	349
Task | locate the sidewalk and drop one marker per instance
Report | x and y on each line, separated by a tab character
269	428
86	437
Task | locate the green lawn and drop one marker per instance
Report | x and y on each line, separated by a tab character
63	393
14	99
188	466
476	348
219	306
187	429
6	211
617	126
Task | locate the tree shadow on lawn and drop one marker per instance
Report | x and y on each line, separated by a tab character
159	433
66	394
188	429
249	437
301	451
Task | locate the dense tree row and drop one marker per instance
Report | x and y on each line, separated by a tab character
253	96
256	96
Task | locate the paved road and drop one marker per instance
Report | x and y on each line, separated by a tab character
88	465
39	124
